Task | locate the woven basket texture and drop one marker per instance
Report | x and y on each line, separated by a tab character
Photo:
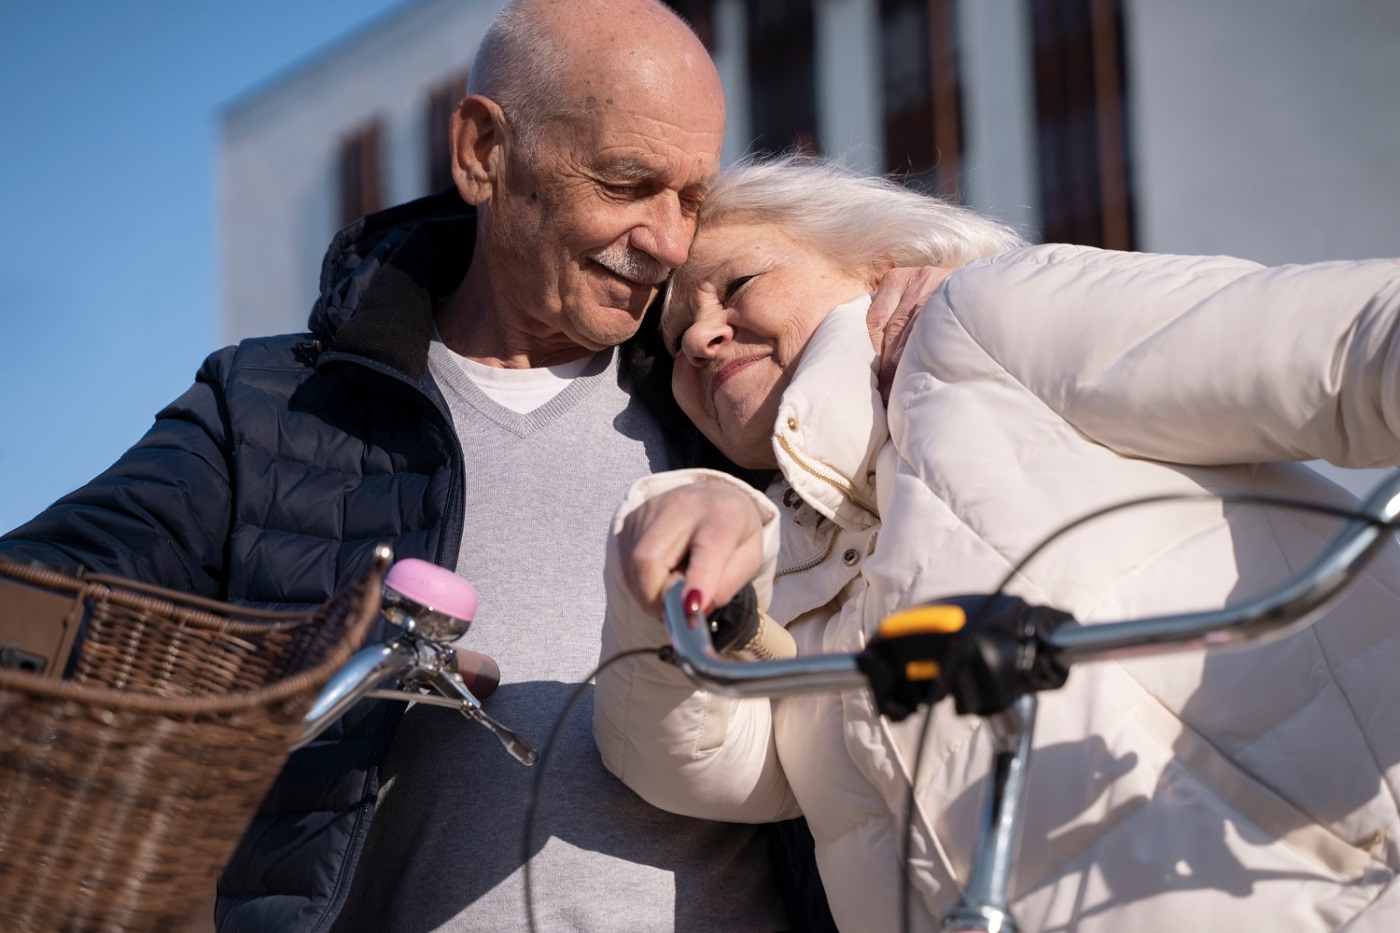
125	788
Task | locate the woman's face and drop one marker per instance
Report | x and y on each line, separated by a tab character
744	306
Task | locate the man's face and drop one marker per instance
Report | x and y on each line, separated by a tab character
588	225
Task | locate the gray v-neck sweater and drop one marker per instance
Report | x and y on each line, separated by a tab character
445	850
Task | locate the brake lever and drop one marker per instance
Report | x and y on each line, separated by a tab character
455	690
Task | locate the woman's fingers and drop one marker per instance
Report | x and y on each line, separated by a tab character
901	293
709	532
726	552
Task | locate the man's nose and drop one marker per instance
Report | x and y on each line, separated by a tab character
666	233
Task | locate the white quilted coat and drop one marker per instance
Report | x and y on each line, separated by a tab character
1247	790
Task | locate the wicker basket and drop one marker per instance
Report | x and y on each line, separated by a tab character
125	788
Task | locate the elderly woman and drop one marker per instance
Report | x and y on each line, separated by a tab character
1246	790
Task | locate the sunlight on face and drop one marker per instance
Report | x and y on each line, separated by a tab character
743	308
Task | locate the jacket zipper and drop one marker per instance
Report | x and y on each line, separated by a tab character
340	888
831	478
808	565
456	479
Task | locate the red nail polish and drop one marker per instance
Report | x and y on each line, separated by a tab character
693	601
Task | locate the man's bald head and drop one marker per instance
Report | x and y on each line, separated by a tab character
545	59
591	133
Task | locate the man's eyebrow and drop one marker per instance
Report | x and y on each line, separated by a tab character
629	169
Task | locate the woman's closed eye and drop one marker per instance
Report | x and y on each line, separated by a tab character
733	288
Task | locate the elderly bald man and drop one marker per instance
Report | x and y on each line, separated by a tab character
460	396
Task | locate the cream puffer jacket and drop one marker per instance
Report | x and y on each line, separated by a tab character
1246	790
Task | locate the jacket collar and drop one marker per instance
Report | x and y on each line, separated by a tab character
383	274
831	423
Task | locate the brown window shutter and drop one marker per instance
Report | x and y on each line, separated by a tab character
922	93
443	99
361	173
1081	122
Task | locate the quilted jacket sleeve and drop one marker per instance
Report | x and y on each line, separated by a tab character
160	514
1194	360
682	749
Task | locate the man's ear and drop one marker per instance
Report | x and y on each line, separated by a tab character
478	134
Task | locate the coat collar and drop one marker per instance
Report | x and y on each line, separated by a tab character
831	423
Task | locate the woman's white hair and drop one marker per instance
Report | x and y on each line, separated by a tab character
856	221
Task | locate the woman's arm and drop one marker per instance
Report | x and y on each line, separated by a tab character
681	749
1197	360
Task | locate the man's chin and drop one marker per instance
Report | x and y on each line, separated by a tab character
607	327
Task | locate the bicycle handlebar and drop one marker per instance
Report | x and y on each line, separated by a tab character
1272	614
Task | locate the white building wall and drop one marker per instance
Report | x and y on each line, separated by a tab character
732	62
1266	128
849	122
999	163
278	155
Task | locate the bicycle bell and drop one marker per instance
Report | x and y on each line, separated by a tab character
428	601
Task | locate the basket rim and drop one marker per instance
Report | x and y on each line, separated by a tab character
115	698
198	611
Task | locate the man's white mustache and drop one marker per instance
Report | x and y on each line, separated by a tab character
634	265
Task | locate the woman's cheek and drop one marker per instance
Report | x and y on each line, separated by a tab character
686	388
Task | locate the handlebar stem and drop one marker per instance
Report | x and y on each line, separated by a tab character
986	901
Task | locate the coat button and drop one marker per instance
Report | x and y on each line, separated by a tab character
792	423
851	556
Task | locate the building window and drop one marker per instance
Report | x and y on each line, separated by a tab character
921	94
782	75
1081	122
443	99
361	173
700	14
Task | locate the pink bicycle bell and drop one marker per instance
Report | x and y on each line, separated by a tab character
428	601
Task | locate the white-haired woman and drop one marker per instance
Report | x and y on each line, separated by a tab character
1253	790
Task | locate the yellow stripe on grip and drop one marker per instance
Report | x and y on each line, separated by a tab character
921	620
921	670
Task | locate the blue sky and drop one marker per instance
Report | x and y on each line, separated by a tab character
108	251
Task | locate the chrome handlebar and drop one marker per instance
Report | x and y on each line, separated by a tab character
1273	614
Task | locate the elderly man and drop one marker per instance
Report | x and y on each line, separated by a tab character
460	397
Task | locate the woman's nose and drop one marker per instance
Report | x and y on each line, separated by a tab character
704	337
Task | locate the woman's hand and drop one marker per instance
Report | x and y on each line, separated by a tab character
902	292
709	533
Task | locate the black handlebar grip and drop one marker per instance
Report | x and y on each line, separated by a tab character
736	622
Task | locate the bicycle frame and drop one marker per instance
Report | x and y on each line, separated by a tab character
985	905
